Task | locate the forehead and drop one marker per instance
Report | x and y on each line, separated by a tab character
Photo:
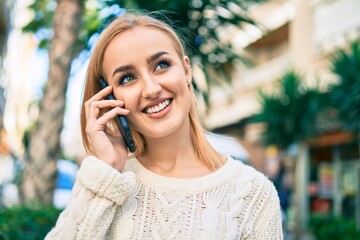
142	38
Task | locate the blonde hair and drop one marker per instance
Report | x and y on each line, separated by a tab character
203	150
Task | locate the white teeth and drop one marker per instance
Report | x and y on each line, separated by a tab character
158	107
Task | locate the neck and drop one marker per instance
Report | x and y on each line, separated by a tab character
173	155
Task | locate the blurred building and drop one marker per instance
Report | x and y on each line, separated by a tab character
297	34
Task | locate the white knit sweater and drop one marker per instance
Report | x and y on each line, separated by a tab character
234	202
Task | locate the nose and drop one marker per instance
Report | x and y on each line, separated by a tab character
151	88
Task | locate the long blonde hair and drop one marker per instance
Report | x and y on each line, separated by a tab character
204	151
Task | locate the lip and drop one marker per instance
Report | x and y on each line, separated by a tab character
163	112
154	103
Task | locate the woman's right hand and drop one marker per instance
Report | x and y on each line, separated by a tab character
109	148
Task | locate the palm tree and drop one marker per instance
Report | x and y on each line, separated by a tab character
292	114
346	93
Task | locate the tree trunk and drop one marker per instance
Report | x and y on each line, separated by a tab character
6	10
44	148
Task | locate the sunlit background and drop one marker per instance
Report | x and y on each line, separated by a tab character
278	82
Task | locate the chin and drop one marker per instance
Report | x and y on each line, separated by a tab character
164	130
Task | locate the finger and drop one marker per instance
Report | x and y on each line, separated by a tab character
95	107
101	94
109	115
92	111
109	103
98	101
97	97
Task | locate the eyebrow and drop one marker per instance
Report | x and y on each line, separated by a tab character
148	60
123	69
155	56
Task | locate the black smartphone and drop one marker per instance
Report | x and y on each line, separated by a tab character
121	122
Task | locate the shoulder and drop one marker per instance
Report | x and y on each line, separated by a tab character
245	171
255	181
256	204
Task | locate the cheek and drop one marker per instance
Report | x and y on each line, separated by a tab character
130	98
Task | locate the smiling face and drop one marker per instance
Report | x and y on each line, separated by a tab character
148	74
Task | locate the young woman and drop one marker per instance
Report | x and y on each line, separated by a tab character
175	185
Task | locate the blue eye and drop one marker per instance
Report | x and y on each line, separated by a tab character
163	64
126	78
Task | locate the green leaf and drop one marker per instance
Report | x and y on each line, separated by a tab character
290	115
345	95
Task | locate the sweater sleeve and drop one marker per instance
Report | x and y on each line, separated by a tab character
99	189
269	224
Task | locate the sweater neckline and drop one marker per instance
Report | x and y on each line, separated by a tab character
152	179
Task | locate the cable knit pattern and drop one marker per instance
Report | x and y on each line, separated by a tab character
98	191
107	183
234	202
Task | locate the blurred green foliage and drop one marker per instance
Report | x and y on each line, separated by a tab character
291	113
346	93
325	227
25	222
296	113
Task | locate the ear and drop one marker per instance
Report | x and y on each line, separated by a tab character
188	72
